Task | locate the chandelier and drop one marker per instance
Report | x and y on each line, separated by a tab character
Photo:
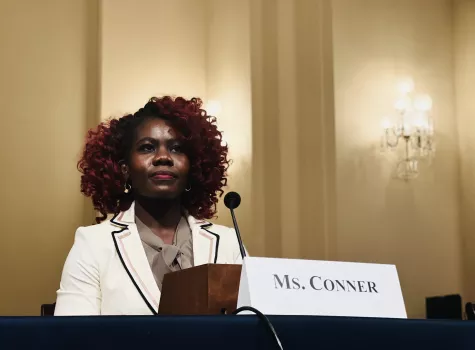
410	131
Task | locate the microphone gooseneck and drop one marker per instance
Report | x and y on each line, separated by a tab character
232	201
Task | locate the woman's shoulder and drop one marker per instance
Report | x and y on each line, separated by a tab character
227	238
103	226
226	234
96	234
216	228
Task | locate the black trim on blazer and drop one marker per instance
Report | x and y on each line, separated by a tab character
208	224
204	227
118	223
126	269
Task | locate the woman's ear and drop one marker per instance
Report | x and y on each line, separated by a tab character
125	170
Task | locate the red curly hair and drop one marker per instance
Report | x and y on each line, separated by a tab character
109	145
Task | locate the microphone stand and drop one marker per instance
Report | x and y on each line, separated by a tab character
238	234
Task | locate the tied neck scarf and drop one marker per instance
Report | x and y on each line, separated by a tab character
164	258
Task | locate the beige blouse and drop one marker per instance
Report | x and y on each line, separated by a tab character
164	258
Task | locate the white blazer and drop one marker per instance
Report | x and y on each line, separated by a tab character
107	271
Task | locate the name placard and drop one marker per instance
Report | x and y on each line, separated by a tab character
311	287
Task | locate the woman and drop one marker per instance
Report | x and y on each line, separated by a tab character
159	172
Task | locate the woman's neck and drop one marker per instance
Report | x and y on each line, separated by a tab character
161	216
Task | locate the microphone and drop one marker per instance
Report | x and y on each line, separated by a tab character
232	201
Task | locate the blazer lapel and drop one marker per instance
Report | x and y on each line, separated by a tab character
132	255
205	242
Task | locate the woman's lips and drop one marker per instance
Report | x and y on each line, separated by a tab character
163	175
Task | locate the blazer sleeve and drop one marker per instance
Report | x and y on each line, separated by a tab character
79	293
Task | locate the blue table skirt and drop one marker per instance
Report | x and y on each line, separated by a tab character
229	332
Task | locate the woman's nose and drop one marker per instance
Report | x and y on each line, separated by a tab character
162	156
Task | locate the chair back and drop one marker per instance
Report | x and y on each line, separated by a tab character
48	309
447	307
470	311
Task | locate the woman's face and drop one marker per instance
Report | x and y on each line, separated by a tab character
157	166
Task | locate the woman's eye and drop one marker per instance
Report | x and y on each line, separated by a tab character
176	149
146	148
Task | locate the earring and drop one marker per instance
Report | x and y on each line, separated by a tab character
188	189
127	187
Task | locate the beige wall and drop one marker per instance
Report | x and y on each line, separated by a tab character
299	142
464	49
148	48
44	68
293	135
415	224
228	82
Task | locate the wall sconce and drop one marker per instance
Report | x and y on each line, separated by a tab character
412	126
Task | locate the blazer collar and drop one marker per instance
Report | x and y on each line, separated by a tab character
125	218
132	254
